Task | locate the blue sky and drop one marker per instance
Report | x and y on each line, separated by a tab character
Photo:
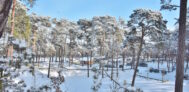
77	9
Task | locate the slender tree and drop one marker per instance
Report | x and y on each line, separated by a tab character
10	50
147	22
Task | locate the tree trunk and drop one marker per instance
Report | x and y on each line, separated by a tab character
172	62
133	59
112	72
147	56
87	65
70	56
49	67
107	67
123	61
5	6
44	56
64	54
12	17
91	59
72	59
181	47
36	57
187	59
10	50
117	66
100	50
158	61
59	59
82	57
138	57
162	56
165	57
39	58
56	56
102	70
52	58
168	65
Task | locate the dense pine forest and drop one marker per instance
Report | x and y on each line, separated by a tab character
101	53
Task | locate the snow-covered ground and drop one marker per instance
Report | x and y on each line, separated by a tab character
77	80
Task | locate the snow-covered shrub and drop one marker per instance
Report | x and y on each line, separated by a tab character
44	88
96	80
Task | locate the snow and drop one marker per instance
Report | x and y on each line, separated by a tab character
76	79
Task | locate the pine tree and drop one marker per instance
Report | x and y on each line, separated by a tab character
147	22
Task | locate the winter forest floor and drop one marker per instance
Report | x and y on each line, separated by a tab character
76	79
